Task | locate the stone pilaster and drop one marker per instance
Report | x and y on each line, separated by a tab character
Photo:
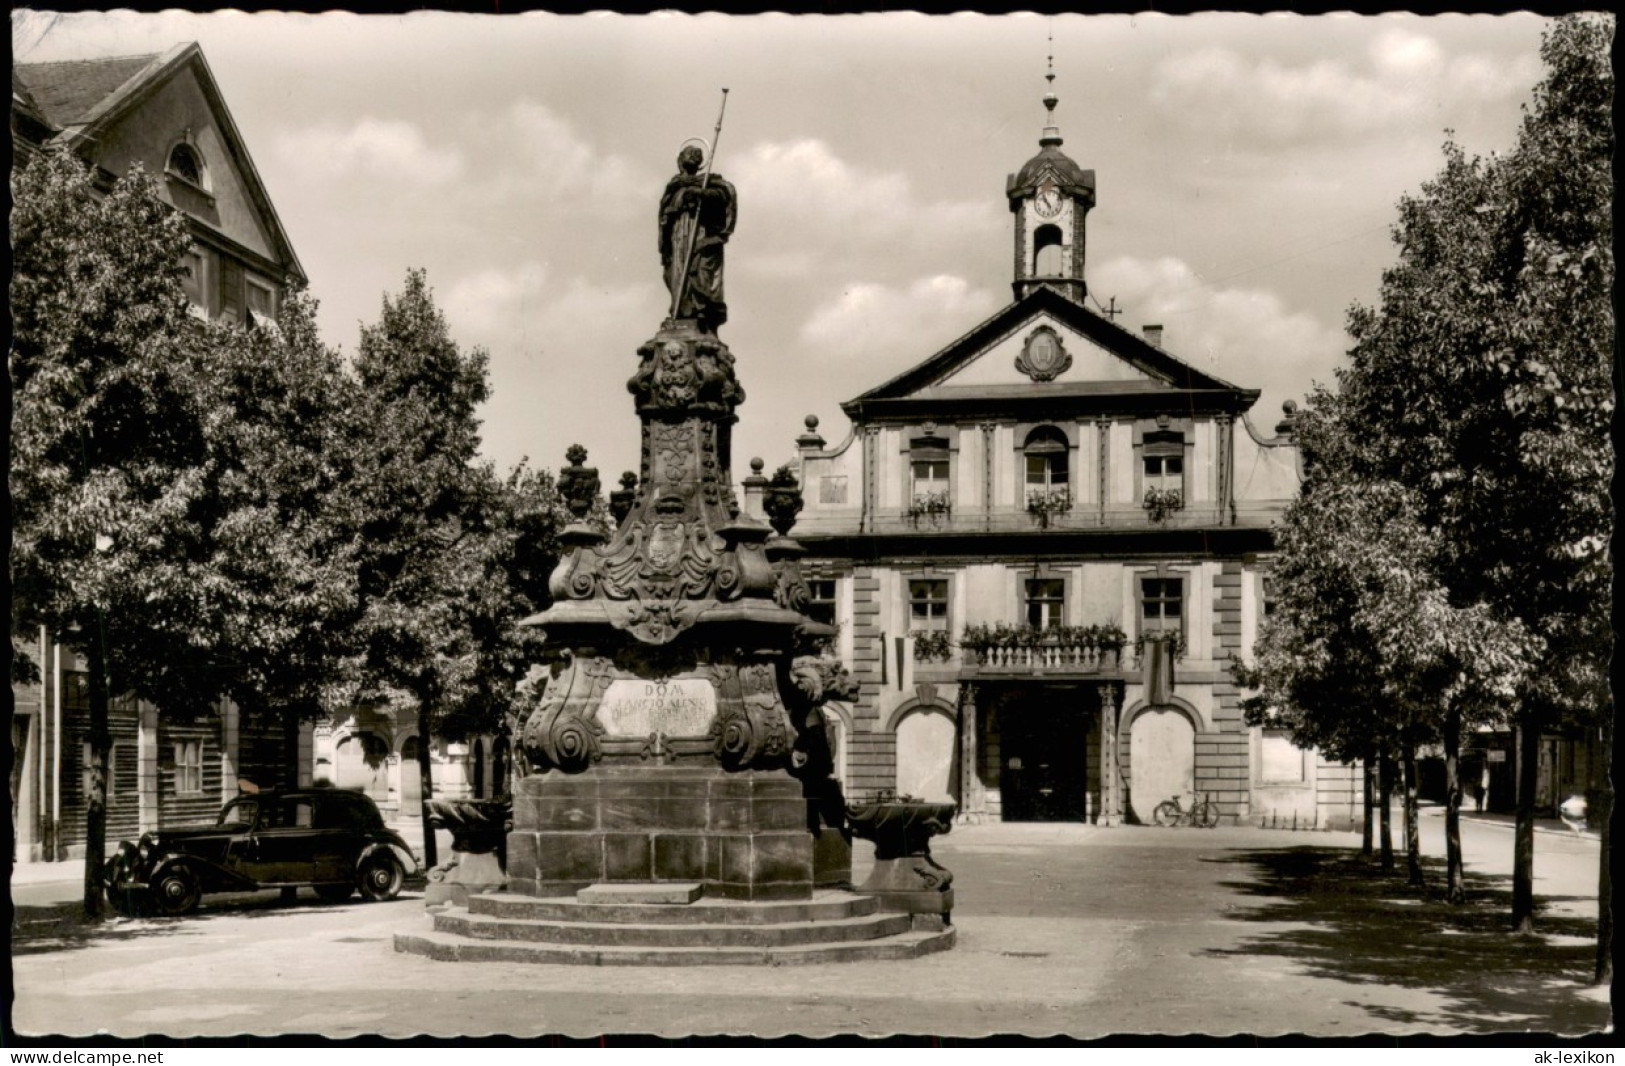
1111	771
307	754
972	793
148	806
230	748
1103	436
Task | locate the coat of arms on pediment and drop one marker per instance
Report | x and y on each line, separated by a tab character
1043	357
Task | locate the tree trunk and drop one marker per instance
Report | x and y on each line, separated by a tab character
1605	814
101	744
1455	878
1523	847
290	748
1385	802
1413	829
431	857
1369	773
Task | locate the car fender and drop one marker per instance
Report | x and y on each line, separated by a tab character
212	876
392	842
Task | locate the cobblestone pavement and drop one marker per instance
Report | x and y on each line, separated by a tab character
1062	929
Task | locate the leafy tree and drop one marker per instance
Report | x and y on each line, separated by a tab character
1364	652
282	515
1315	671
1483	382
519	555
107	440
430	518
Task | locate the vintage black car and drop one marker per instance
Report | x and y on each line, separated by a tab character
332	840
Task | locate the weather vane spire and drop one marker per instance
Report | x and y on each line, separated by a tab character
1052	132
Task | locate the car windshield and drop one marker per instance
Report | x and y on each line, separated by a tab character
239	812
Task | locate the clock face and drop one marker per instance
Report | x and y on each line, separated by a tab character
1048	201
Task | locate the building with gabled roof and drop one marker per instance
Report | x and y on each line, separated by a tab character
1042	544
165	112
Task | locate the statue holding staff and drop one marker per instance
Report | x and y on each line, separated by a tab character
697	214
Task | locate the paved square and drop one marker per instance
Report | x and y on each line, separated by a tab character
1062	929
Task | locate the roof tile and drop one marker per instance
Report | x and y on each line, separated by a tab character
66	92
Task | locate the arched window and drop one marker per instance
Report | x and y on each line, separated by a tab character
187	164
1048	257
1045	455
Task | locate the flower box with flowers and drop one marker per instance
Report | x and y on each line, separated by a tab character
932	646
1044	504
1160	503
1093	647
930	505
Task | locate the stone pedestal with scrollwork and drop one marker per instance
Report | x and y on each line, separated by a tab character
677	751
663	749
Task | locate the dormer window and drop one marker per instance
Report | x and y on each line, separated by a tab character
186	163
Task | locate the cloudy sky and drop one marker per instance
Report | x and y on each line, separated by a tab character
1247	168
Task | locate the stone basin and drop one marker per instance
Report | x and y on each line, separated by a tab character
905	876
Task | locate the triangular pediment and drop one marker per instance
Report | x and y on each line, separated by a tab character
137	107
1048	346
1055	352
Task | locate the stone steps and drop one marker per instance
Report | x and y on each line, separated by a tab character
671	935
449	947
825	905
831	926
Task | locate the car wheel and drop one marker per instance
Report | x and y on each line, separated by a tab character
381	876
1167	813
176	892
334	893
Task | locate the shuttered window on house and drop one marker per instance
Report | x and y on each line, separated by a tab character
231	290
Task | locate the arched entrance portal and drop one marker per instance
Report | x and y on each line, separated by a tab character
1162	759
361	761
925	755
1044	754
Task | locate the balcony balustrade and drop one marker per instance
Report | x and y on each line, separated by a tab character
1062	649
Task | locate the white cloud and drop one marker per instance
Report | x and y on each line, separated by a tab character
554	159
561	350
1403	78
520	310
493	300
805	188
877	321
1249	337
389	149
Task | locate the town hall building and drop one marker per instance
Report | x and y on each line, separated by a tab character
1043	544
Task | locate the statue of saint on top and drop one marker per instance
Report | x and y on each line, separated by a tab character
697	214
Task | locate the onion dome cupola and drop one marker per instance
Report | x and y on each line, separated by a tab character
1050	196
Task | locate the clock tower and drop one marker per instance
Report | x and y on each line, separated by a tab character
1050	197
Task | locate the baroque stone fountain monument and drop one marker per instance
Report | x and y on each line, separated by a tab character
677	804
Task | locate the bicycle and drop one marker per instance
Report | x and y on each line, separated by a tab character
1201	812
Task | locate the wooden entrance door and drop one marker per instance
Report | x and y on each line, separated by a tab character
1044	758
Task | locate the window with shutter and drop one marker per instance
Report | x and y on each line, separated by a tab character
231	290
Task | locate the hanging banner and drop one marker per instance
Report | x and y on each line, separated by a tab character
1157	662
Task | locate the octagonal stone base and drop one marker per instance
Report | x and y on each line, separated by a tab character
740	835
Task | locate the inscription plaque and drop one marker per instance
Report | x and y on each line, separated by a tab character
676	708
